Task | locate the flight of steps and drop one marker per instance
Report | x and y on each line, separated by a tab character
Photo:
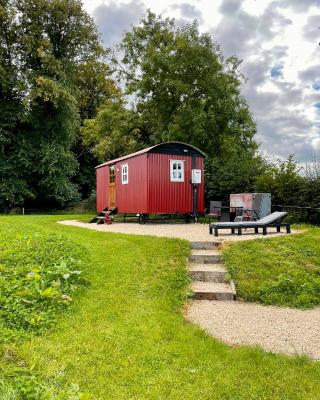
208	273
100	217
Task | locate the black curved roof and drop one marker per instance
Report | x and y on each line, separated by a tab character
178	148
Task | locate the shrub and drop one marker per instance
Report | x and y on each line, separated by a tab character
40	272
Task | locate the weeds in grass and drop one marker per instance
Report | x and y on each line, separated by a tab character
39	275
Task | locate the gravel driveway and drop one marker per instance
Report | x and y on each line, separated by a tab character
191	232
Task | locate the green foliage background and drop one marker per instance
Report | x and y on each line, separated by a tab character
62	111
52	78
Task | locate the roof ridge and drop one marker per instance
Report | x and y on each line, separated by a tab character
146	150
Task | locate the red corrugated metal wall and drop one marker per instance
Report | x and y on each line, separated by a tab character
132	197
102	179
165	196
149	189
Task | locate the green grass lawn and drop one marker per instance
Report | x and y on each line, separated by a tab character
284	271
125	337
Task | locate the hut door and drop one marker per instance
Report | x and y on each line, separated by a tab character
112	188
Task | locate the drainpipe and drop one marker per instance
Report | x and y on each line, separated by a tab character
194	190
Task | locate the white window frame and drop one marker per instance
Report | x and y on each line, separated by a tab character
172	170
124	174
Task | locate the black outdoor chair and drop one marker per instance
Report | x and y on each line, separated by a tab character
215	210
272	220
247	215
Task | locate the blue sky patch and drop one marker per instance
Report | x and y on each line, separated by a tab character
276	72
316	85
317	105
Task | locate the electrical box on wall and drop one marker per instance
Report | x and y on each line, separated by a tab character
196	176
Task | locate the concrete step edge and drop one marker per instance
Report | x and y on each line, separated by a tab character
202	291
212	286
202	245
217	277
205	252
233	288
213	296
205	259
206	267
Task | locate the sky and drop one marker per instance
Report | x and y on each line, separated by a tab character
279	43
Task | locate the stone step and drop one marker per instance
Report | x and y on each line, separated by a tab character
213	291
205	256
201	245
207	272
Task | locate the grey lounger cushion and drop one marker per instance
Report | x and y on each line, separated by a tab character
268	220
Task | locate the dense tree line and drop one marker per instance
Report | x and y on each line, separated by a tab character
52	77
293	185
62	111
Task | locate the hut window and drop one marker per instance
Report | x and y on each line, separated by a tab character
125	174
176	171
112	175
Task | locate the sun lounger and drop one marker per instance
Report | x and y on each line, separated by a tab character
272	220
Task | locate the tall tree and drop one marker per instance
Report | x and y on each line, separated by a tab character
184	88
58	37
94	87
13	184
114	132
50	69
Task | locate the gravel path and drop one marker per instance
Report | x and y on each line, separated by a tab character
275	329
192	232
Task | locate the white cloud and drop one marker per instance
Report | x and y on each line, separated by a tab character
278	41
316	144
114	19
